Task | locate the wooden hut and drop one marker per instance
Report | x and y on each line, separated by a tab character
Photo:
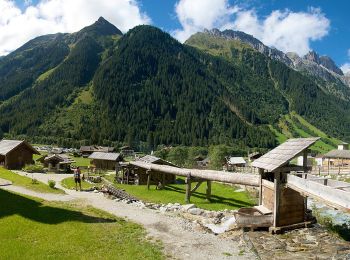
86	151
287	207
15	154
56	162
105	161
234	162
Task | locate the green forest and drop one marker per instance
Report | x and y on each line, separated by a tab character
147	90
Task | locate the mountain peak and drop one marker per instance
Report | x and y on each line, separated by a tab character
324	61
100	28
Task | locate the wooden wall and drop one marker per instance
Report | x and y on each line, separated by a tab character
19	157
104	164
291	207
156	177
268	195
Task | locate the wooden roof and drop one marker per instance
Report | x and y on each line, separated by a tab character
338	154
236	160
62	158
283	153
155	160
104	156
7	146
95	148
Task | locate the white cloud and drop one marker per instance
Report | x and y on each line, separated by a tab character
52	16
345	67
195	15
285	30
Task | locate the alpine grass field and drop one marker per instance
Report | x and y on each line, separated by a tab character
35	229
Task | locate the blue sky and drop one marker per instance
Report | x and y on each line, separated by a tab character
288	25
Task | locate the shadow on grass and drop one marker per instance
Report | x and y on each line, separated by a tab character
13	204
213	199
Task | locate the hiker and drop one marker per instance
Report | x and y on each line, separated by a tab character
77	178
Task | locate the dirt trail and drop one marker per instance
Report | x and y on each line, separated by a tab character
181	239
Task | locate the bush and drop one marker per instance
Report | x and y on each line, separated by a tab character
52	184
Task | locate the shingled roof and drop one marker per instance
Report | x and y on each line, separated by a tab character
283	153
155	160
104	156
7	146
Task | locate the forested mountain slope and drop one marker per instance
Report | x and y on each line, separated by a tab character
322	108
144	88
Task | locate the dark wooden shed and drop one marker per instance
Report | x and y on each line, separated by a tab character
15	154
105	161
57	162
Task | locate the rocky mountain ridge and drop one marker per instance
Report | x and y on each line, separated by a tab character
312	63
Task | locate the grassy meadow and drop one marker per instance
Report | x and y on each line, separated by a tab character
69	183
35	229
27	182
223	196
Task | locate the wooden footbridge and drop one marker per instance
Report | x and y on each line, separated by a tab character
283	187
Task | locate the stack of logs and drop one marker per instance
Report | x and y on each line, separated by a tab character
121	194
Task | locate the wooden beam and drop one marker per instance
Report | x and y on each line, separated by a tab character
333	197
196	187
228	177
188	189
208	190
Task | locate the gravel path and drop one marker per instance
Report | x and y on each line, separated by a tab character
181	239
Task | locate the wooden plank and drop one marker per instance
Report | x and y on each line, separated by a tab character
263	210
333	197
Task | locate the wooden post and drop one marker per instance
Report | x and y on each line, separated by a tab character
328	165
163	179
261	172
148	178
188	188
127	176
305	176
276	199
208	191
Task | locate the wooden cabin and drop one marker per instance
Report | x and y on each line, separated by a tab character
86	151
105	161
234	162
139	176
57	162
16	154
127	151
